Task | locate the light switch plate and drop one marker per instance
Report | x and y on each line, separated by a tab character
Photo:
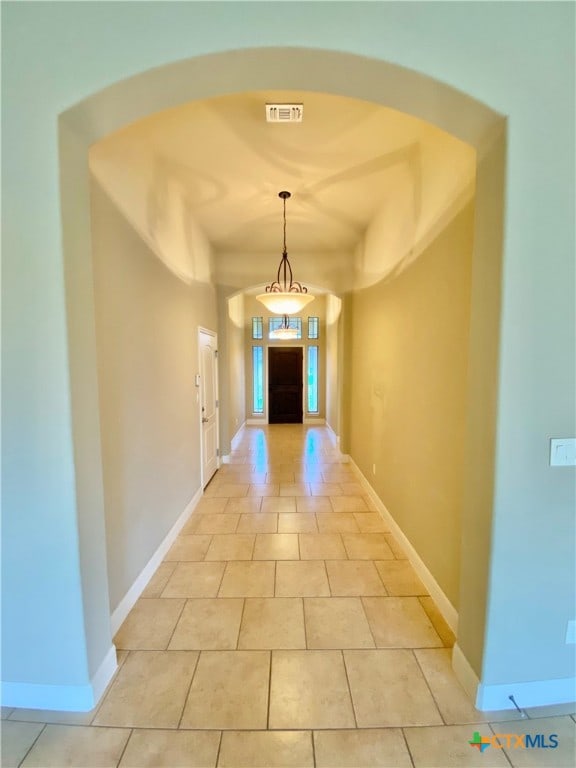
563	452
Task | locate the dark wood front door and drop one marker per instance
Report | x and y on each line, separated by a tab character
285	385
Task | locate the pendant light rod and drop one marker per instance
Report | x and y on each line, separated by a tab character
285	296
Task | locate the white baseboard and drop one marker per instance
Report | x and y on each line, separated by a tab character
536	693
104	674
467	678
237	437
129	600
313	420
491	698
225	458
62	698
335	437
444	605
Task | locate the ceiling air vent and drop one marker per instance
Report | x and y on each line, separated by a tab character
284	113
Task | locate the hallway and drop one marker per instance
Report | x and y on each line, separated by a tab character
285	627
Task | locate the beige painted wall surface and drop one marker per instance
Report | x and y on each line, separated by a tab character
334	363
328	270
231	367
147	337
409	387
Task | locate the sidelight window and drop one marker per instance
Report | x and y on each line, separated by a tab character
257	328
257	380
313	327
312	379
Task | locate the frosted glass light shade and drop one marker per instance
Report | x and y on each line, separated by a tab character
284	333
285	303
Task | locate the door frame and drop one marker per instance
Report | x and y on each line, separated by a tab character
199	400
267	377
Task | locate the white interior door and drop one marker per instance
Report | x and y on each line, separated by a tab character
209	404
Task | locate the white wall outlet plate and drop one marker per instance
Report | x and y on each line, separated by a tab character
563	452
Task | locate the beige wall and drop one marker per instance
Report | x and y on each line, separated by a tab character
147	340
409	358
334	363
231	369
330	270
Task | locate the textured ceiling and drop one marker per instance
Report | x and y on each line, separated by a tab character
219	162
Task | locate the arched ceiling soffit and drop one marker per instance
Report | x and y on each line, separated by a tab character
216	166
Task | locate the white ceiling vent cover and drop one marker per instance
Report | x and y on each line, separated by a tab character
284	113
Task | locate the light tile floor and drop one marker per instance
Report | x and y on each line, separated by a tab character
284	628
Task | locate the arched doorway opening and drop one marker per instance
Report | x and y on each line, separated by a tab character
328	72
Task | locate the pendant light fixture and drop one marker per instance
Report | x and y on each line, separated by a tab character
285	296
285	331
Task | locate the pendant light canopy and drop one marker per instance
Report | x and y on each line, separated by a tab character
285	296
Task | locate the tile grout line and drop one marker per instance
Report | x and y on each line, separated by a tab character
44	726
407	747
177	622
506	755
125	747
222	579
269	690
188	691
328	579
237	522
345	548
412	650
386	591
349	688
304	624
219	748
368	622
312	734
241	620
